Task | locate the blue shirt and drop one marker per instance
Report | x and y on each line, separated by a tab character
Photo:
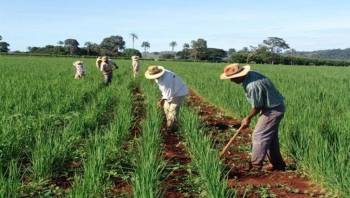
260	91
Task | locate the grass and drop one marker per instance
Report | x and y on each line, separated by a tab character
47	117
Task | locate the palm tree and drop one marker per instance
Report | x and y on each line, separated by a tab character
146	45
133	37
172	45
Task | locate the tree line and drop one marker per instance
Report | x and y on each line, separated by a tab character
273	50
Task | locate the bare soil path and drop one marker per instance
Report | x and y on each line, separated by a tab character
287	183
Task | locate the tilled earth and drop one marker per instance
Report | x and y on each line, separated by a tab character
287	183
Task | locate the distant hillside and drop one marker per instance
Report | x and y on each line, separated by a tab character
332	54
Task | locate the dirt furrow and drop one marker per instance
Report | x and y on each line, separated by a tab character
177	182
287	183
121	186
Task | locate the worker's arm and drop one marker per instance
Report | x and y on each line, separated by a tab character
246	121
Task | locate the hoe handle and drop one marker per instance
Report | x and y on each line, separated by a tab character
230	142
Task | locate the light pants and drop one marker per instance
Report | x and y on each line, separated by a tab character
265	138
171	110
78	76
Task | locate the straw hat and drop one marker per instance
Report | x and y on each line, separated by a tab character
234	71
154	72
104	58
78	62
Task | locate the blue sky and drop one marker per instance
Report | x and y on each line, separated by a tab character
305	25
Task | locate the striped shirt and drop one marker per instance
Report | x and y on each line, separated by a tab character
260	91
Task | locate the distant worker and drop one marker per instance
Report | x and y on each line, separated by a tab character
173	92
79	70
135	65
266	101
98	62
106	68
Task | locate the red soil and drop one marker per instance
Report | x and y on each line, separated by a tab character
283	184
177	157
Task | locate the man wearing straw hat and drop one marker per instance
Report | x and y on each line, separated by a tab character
135	65
173	92
79	70
106	68
266	101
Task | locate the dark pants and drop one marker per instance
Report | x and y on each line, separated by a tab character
265	138
107	78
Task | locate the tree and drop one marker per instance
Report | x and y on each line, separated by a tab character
215	54
72	45
0	37
146	45
199	48
111	45
185	53
4	47
60	43
133	37
186	46
275	44
231	51
131	52
88	47
173	44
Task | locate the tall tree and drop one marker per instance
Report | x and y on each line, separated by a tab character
186	46
88	45
275	44
133	37
60	43
199	48
146	45
173	44
0	37
4	47
72	45
111	45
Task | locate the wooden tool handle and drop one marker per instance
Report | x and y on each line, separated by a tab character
230	142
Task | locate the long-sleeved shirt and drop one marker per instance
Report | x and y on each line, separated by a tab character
79	68
171	86
260	91
106	68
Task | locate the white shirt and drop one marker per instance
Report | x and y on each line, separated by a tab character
80	69
171	86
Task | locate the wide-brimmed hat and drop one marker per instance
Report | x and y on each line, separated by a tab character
78	62
154	72
234	70
104	58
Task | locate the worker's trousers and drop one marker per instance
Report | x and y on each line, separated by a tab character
171	110
265	138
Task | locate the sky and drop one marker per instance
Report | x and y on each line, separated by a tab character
304	24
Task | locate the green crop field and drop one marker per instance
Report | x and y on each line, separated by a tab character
61	137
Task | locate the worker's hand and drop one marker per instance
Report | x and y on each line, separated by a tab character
245	123
160	103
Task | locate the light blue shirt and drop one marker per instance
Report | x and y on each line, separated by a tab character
260	91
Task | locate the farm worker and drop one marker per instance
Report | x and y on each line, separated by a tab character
106	68
266	101
79	69
98	62
135	65
173	92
